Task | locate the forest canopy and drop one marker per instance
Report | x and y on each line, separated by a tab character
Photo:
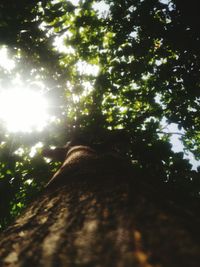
101	66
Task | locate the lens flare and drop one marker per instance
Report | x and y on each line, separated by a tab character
23	110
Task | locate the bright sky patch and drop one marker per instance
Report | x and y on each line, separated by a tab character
5	62
23	110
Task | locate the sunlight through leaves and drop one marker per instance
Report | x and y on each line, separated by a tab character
23	110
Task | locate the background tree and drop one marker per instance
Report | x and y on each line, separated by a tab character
134	67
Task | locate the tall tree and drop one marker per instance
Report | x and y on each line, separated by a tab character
130	67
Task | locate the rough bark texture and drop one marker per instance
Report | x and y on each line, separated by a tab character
101	220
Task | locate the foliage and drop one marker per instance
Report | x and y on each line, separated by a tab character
128	67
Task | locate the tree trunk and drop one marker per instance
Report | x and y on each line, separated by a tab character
101	221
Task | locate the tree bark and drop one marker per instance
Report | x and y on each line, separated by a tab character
101	218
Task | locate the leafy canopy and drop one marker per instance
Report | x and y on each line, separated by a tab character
103	65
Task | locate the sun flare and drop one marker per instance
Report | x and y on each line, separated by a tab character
23	110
